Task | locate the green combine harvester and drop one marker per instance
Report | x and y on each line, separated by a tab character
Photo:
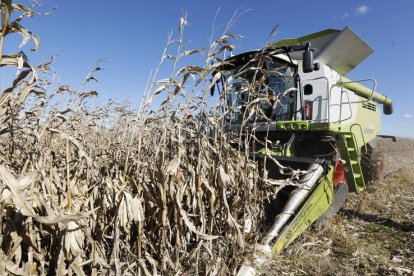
319	122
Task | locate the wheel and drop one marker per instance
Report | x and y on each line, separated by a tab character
372	164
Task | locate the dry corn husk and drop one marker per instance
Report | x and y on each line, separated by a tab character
119	190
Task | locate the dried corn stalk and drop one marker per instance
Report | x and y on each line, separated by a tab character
113	190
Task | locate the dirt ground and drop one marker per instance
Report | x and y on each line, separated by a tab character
373	234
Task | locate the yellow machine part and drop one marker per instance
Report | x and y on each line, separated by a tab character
315	206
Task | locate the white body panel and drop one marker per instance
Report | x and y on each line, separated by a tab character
329	103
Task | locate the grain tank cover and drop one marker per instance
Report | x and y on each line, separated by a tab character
340	50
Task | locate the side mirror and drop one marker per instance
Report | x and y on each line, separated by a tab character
307	61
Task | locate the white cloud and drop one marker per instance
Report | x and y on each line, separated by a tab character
345	15
361	10
357	12
407	115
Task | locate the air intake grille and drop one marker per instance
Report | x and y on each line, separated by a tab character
369	106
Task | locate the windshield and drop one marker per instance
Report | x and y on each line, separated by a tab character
260	91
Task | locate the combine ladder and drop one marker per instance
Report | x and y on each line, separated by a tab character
349	152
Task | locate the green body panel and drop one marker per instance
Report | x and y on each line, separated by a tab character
315	205
366	126
365	129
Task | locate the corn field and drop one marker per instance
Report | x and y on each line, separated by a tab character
118	190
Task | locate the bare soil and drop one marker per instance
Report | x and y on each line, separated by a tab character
373	234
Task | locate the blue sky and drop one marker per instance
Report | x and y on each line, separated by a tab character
130	36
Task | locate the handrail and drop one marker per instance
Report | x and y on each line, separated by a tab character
349	101
350	107
341	103
340	120
329	95
362	135
358	81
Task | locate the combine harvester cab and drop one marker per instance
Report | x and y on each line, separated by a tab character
314	123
